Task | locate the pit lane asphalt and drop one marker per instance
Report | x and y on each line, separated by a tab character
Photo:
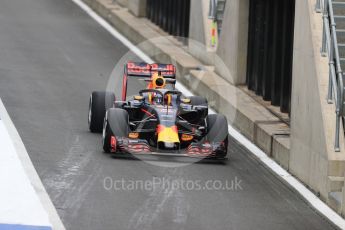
52	56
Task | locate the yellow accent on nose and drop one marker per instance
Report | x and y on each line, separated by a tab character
168	135
186	100
169	99
138	98
150	98
133	135
186	137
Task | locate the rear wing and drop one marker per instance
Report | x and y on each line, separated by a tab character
141	69
145	70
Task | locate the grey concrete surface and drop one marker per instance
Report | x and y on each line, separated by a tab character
137	7
233	42
52	57
200	28
312	156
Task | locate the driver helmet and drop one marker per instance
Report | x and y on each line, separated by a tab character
157	81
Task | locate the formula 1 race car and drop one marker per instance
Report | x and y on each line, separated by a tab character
159	120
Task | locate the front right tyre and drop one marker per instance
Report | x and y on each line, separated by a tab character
98	105
116	123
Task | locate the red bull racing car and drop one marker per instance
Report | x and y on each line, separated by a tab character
159	120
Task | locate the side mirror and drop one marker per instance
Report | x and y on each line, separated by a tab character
200	107
186	100
139	98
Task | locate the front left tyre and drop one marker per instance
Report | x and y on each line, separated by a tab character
98	105
217	132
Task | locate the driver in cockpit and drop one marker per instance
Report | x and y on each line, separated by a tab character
158	82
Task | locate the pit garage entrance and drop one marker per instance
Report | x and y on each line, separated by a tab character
171	15
270	50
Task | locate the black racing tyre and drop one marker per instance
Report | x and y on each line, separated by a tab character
217	129
116	123
197	100
98	105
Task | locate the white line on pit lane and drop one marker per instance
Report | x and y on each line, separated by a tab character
272	165
30	173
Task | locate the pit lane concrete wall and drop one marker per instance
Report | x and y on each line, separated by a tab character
200	32
312	156
312	123
233	40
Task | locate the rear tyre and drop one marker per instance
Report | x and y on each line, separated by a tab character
196	100
98	105
116	123
217	131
